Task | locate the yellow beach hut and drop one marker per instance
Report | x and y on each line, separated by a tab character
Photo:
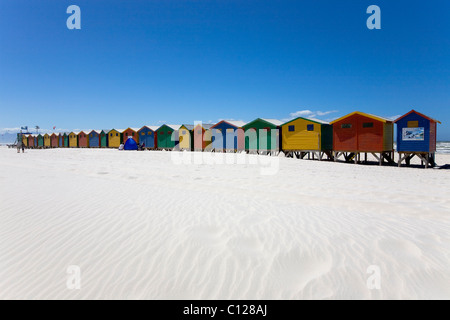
186	137
47	143
303	136
115	138
73	140
25	140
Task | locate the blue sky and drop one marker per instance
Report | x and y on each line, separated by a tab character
149	62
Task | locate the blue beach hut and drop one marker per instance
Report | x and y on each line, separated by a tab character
416	136
147	136
228	135
94	139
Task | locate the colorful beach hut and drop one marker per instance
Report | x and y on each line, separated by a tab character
83	141
62	140
311	137
186	136
167	136
31	141
202	137
262	136
73	140
416	136
358	133
131	132
228	135
94	139
47	143
104	138
25	140
147	136
65	138
54	140
115	138
40	140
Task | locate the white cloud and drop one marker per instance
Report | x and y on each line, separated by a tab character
309	114
301	113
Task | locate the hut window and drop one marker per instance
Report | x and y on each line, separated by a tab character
117	134
310	127
149	133
183	132
199	132
413	124
367	124
162	132
346	125
143	134
169	132
291	128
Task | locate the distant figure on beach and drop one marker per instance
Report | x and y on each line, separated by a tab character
121	146
20	144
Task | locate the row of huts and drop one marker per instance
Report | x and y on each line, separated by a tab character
350	137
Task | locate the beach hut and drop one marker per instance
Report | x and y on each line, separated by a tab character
167	136
83	141
40	141
302	137
73	140
61	140
147	136
115	138
228	135
131	132
104	138
94	139
186	136
47	143
358	133
31	141
25	140
262	136
65	140
202	137
54	140
416	136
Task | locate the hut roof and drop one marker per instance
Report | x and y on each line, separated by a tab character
275	122
368	115
235	123
420	114
153	128
172	126
134	129
308	119
190	127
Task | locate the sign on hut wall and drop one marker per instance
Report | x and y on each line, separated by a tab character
413	134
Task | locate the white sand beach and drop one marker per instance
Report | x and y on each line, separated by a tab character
140	226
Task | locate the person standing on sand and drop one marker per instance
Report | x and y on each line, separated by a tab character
20	143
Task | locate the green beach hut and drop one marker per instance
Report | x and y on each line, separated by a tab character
259	129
